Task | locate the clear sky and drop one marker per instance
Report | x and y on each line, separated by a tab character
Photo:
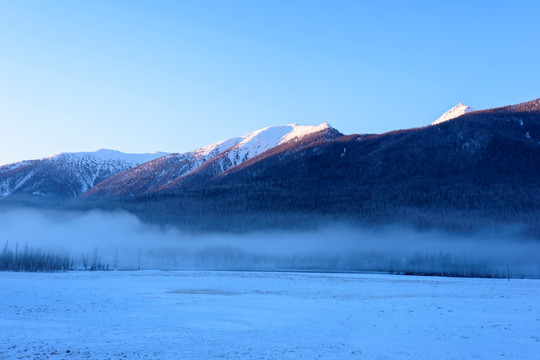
143	76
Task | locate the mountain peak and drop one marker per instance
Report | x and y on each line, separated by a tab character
456	111
263	139
66	175
259	141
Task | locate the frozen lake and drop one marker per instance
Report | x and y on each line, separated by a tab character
258	315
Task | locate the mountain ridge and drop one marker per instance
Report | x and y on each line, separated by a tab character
206	162
479	168
65	175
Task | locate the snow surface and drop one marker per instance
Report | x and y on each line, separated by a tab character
256	315
257	142
456	111
219	147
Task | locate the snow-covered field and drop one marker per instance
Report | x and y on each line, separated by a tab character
256	315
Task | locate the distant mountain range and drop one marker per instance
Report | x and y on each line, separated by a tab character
64	176
467	170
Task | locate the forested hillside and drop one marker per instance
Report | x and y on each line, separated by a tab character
477	170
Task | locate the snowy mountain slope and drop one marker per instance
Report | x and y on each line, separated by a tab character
259	141
256	147
161	171
456	111
214	159
66	175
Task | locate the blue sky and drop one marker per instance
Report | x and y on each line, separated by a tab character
143	76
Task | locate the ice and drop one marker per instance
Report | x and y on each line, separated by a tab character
269	315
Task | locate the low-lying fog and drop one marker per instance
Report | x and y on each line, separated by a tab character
123	242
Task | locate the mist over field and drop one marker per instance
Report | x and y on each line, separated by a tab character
123	242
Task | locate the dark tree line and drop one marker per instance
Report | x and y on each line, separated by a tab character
446	264
38	260
419	263
29	259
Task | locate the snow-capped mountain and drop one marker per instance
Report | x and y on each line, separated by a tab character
66	175
210	160
259	141
456	111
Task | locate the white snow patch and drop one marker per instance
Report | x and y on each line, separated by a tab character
456	111
25	179
4	189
